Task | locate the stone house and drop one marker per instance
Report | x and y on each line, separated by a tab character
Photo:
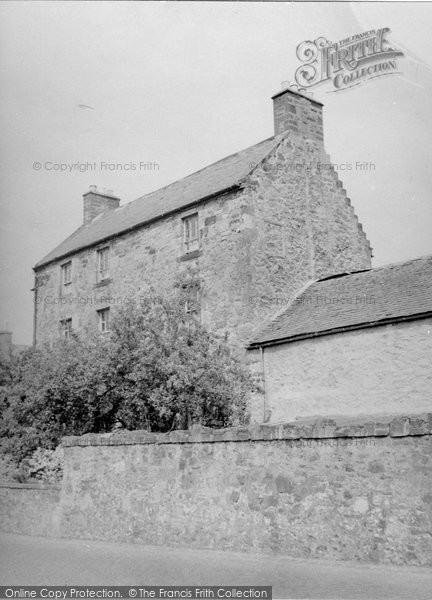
259	223
351	344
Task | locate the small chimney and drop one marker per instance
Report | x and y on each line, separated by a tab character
297	113
5	344
98	201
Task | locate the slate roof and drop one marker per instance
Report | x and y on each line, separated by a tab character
355	300
209	181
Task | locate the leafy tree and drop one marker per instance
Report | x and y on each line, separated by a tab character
171	372
53	393
158	370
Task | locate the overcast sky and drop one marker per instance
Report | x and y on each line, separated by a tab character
183	85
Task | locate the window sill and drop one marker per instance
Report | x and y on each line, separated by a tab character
190	255
103	282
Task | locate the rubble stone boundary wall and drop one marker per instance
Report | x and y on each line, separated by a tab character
29	509
335	488
304	429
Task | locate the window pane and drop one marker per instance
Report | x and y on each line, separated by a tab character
103	263
67	272
194	227
66	327
104	320
191	233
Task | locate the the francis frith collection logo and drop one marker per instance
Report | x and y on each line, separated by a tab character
346	63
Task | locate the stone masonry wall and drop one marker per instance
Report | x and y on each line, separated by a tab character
149	256
305	226
386	369
346	489
297	113
282	228
29	508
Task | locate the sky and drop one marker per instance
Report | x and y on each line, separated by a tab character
184	84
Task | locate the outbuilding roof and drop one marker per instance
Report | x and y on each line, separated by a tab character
388	294
214	179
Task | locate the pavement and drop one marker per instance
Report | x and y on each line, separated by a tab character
41	561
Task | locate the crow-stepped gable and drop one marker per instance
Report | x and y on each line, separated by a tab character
261	222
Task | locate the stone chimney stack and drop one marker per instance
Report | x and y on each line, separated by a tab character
297	113
5	344
98	201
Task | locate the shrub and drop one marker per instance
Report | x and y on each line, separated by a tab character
43	465
158	370
46	465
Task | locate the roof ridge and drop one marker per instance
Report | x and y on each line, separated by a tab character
387	294
222	176
373	269
402	262
202	169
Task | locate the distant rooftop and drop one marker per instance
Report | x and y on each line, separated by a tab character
388	294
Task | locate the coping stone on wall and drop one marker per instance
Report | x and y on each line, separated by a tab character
308	428
5	483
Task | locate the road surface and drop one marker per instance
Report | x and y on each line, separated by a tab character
40	561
